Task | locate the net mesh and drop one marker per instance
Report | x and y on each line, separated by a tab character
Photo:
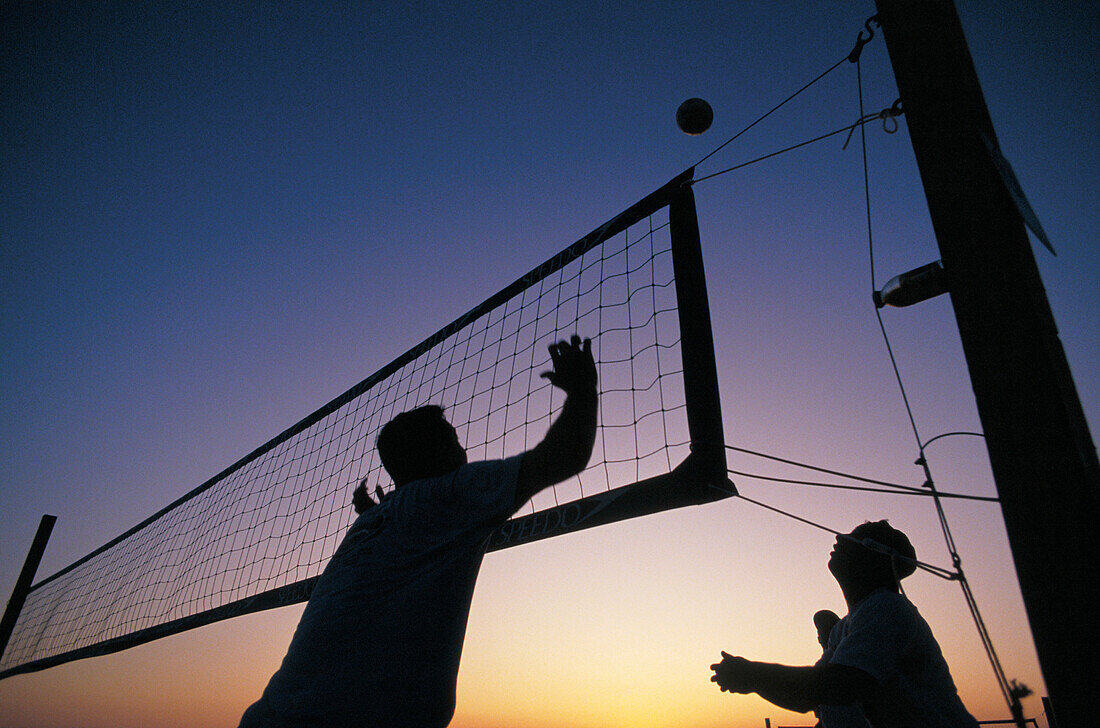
274	519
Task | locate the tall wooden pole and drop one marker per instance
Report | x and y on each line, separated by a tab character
1042	455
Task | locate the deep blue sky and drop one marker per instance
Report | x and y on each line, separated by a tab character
216	218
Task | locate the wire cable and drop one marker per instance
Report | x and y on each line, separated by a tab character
930	568
960	576
815	468
950	434
772	110
859	123
897	490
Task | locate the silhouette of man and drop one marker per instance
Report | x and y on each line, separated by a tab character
881	666
380	640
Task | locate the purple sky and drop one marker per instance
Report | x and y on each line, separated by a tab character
216	219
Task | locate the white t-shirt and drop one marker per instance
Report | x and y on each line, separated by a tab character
380	639
885	636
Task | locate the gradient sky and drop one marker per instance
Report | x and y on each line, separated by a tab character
217	218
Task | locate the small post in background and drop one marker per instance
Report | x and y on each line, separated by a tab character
23	583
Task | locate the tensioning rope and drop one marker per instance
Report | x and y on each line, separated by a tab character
930	568
888	487
897	490
885	115
771	111
852	57
972	605
929	487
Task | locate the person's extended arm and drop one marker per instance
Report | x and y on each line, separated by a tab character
567	446
800	689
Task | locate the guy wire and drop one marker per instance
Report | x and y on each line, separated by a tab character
971	602
773	109
930	568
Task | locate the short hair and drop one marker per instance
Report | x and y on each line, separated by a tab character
891	543
406	441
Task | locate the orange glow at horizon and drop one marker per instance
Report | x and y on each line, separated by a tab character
592	630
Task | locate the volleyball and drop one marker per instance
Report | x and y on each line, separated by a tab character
694	116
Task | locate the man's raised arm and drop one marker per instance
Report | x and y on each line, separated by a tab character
565	450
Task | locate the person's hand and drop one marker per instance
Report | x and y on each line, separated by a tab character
574	368
732	674
361	499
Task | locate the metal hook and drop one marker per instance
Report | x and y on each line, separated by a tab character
853	57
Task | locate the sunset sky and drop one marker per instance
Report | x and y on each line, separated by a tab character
216	217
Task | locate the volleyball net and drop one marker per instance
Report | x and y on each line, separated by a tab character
257	535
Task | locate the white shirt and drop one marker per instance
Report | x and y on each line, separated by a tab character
380	639
885	636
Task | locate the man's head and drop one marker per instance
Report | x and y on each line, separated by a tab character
419	444
874	554
824	621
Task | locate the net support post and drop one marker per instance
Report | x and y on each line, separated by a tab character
23	583
704	409
1041	453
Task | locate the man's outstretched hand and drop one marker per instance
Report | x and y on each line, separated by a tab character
731	674
574	368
